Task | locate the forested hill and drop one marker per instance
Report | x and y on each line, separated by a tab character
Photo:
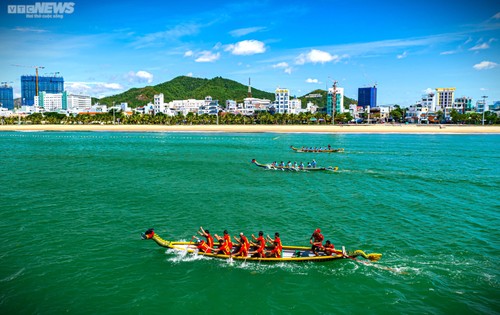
184	87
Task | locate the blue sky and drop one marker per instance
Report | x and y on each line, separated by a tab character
405	47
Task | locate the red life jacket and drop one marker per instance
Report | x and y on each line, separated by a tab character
202	246
210	240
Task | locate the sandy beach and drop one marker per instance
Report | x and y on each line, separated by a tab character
385	128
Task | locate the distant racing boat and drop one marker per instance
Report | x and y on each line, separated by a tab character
316	150
294	169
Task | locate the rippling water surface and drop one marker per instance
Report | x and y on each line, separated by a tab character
74	204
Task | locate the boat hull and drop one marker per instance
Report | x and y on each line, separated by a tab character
289	253
299	150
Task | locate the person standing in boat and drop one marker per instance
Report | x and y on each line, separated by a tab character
261	246
313	163
316	241
329	147
206	233
301	166
244	245
278	247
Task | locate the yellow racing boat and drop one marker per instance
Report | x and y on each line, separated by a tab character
289	253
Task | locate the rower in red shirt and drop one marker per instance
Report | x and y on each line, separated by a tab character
206	233
278	247
227	238
244	245
201	245
223	248
261	246
329	249
317	244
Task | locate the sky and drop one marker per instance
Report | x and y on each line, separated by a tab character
406	48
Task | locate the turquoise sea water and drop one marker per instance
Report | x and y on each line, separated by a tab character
73	206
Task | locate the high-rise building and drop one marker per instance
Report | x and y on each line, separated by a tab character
445	98
367	96
7	96
52	85
339	100
282	100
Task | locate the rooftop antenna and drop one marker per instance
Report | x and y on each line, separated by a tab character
249	89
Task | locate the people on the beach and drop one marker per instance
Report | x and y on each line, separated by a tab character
316	241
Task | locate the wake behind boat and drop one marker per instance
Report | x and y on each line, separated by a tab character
273	166
316	149
289	253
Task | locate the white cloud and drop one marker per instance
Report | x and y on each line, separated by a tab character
480	46
309	80
189	74
140	76
316	56
245	31
449	52
497	16
403	55
483	89
188	53
283	65
428	91
247	47
207	56
30	29
483	65
99	89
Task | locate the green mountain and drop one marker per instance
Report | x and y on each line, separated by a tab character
184	87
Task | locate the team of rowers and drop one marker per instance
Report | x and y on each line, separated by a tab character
316	149
299	166
225	246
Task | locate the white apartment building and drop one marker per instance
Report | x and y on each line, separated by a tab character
252	105
295	106
50	102
54	102
282	100
445	99
159	106
77	102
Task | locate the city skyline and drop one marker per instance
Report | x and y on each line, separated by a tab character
104	49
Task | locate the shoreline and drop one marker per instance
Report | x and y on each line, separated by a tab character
384	128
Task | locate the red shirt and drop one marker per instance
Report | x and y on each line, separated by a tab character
277	247
202	246
227	240
318	238
262	244
210	240
224	248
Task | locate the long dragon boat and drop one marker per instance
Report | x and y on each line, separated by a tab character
294	169
315	150
289	253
